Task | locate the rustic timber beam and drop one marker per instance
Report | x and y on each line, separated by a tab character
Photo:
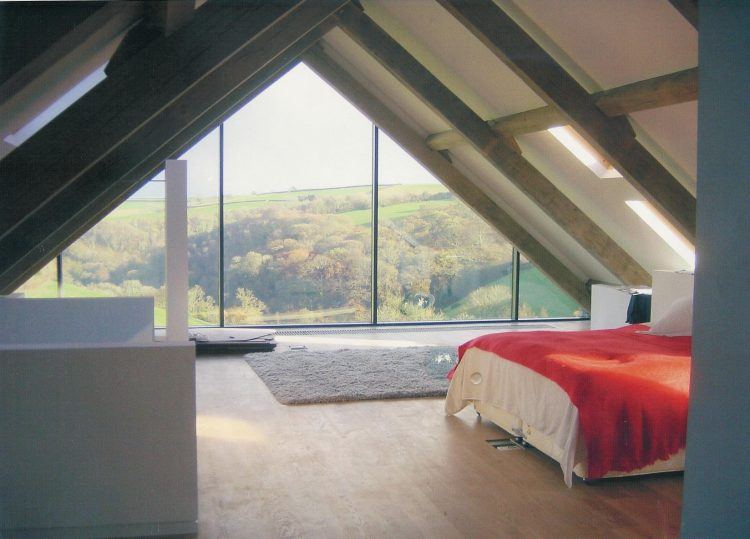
265	40
662	91
612	137
492	146
688	9
671	89
452	178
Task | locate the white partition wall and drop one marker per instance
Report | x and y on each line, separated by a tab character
177	248
717	466
97	422
76	320
97	440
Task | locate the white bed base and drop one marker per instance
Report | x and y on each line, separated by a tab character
544	443
532	407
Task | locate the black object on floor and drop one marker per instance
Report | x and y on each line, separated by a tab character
233	347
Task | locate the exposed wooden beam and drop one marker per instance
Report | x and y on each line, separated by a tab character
439	166
492	146
255	39
529	121
688	9
612	137
86	47
662	91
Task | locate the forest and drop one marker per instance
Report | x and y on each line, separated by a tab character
299	257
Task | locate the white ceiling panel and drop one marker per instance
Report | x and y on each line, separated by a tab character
675	130
617	42
455	56
604	43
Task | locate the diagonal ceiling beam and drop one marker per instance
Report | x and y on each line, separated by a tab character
671	89
492	146
272	36
612	137
65	234
115	110
440	167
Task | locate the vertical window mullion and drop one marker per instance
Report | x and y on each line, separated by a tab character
515	286
59	275
374	248
221	225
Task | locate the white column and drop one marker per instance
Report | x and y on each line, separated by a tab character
176	250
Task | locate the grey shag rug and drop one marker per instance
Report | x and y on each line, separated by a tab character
306	377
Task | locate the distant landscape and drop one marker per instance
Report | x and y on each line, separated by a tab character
299	257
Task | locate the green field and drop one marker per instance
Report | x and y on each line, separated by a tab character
394	212
291	266
535	291
145	209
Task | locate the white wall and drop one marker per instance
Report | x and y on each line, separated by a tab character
76	320
97	441
717	471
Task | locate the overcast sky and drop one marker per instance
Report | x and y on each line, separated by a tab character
300	134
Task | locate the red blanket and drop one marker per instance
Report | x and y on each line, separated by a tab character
631	389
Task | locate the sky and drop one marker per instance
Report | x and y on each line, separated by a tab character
298	134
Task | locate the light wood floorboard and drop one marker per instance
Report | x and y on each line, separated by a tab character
396	468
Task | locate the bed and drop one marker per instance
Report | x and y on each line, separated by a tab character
603	403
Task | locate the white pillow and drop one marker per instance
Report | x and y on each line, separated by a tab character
676	321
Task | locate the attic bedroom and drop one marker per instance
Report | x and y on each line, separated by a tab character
439	268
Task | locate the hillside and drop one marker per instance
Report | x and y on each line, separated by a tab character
305	257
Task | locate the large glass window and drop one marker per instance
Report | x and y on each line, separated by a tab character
297	207
284	190
123	255
539	297
437	259
203	161
43	284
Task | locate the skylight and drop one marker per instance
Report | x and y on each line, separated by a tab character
58	106
664	230
583	151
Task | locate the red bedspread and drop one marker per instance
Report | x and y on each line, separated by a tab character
631	389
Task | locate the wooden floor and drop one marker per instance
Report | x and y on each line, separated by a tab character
391	469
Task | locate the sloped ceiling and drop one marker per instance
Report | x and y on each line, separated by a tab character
603	44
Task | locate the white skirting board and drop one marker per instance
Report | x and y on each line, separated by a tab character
119	530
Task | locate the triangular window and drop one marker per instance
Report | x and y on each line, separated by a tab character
285	190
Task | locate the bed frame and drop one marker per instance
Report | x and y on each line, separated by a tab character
525	433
